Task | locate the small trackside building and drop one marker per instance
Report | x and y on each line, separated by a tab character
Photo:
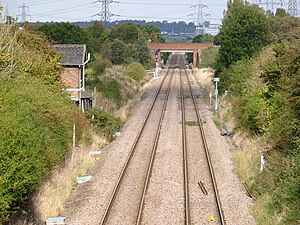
74	59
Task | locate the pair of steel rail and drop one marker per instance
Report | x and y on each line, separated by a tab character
151	161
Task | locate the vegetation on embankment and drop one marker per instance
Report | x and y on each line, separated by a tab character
119	58
36	117
263	81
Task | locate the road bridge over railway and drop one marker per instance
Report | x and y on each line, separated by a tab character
195	48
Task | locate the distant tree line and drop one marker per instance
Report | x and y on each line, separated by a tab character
170	27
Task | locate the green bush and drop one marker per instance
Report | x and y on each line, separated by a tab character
97	67
36	117
136	71
104	122
35	133
266	101
208	57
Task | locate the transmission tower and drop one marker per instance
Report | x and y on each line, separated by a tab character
23	14
105	13
200	20
292	8
270	5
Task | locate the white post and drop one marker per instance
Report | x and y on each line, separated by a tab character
210	100
156	70
216	93
74	145
262	163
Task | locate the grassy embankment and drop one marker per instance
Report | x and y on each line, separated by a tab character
36	117
37	121
263	107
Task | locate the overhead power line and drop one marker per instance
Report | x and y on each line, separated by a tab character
161	4
35	3
79	7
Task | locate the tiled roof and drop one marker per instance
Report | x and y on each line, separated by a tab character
71	54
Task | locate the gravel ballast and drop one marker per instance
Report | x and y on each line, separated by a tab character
164	202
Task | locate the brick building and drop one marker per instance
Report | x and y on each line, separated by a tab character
73	59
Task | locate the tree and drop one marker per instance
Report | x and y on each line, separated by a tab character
128	33
106	50
143	54
151	32
245	32
130	53
281	12
117	52
284	26
203	38
64	33
97	35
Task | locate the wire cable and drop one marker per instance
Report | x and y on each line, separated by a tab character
62	10
162	4
66	11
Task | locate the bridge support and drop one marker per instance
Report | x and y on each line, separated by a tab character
195	59
159	59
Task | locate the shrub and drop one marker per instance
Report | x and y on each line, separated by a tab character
35	133
97	67
136	71
104	122
208	57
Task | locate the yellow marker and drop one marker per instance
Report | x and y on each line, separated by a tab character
211	218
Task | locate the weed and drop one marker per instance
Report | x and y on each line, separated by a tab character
218	125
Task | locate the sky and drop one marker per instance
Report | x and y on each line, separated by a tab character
149	10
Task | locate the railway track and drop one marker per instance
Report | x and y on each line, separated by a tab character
143	151
137	145
188	95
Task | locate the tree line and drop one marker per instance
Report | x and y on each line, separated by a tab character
123	43
259	65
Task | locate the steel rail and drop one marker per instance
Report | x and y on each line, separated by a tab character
184	150
211	170
154	148
133	147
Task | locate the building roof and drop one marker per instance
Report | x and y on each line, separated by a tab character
71	54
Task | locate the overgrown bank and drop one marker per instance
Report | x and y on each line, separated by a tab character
36	117
263	79
37	120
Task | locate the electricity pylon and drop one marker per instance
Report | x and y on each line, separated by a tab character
105	13
292	8
23	14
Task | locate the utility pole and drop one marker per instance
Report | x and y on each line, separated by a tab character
23	14
292	8
105	13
